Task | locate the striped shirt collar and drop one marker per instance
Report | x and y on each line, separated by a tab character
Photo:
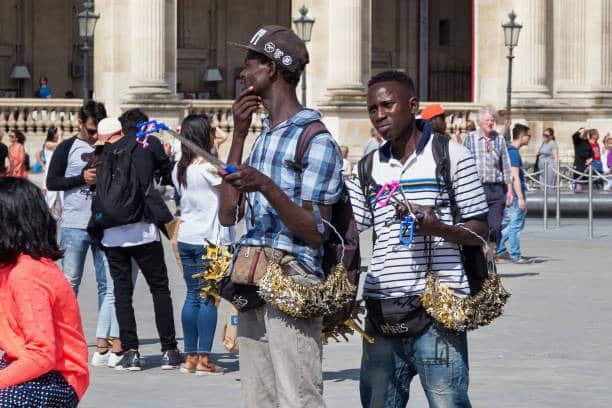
301	118
385	154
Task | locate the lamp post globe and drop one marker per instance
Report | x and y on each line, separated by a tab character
303	27
87	23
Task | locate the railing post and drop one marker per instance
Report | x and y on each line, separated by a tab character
545	197
590	202
558	192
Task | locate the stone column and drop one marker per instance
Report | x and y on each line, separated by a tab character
344	57
532	62
148	56
570	46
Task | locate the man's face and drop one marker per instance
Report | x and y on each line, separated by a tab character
391	109
255	74
525	138
89	130
487	122
438	124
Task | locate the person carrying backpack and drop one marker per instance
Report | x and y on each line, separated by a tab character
407	340
286	204
127	215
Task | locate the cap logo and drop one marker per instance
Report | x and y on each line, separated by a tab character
278	53
287	60
255	39
269	47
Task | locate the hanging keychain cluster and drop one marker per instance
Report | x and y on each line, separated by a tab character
216	264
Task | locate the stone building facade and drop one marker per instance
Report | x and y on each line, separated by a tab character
154	53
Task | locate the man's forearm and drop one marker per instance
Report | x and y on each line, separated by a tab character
231	196
461	235
300	221
518	189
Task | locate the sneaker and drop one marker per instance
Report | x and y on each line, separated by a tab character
114	358
504	255
171	360
129	361
100	359
521	261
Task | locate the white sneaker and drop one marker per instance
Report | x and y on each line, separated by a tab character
113	359
99	360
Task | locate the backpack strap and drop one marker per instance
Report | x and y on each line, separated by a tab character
313	129
443	169
366	182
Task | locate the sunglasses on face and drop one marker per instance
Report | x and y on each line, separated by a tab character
91	132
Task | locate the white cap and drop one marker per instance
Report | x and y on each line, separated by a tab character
106	128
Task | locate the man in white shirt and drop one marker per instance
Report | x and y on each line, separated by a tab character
134	234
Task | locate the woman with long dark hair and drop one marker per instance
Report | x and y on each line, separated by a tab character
54	198
197	184
45	353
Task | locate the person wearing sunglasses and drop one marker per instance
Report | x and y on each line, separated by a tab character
71	170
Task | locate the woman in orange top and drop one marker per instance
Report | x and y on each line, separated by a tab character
45	354
17	154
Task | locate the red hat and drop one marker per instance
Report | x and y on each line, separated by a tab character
431	111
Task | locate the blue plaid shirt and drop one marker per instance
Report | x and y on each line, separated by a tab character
319	182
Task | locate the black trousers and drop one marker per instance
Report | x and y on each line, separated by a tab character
150	260
496	199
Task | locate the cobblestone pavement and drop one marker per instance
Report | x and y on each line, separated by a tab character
550	349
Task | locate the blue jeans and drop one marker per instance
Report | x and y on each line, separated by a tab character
514	221
75	242
199	316
438	356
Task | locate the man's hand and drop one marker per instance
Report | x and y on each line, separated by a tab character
247	180
522	205
509	198
430	224
243	108
90	176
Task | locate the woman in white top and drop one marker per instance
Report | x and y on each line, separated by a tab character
196	182
53	198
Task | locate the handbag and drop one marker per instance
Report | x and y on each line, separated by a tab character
478	309
290	287
251	263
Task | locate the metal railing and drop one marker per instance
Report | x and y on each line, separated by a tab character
587	178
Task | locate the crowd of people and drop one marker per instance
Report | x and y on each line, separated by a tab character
100	189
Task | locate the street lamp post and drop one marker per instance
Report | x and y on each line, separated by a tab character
512	29
303	26
87	24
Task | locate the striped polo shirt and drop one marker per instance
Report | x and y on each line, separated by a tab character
398	270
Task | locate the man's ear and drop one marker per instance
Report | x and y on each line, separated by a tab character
414	105
272	70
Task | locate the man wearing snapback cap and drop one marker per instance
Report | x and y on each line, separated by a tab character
280	356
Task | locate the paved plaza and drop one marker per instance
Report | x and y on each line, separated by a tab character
550	349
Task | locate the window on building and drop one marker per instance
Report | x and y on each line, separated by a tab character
444	33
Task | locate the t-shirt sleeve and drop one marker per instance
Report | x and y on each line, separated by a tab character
361	211
515	159
209	173
33	310
322	171
469	194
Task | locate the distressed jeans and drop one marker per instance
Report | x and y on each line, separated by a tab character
75	242
514	221
438	356
280	359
